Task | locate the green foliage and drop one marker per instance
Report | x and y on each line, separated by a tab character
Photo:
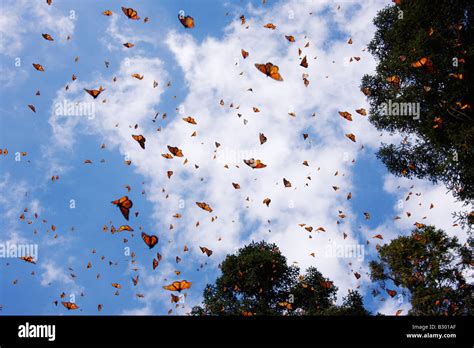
258	281
441	31
432	267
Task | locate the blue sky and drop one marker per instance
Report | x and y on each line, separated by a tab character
201	65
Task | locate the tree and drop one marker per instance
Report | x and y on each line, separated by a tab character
432	267
425	52
258	281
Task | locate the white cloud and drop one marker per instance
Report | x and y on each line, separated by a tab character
211	74
21	17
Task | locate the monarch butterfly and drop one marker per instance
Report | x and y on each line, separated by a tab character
286	305
125	228
204	206
70	305
140	139
378	236
187	22
38	67
135	280
245	54
351	137
138	76
94	92
128	44
32	107
47	37
287	183
175	151
130	13
357	275
422	62
392	293
254	164
361	111
262	138
178	286
107	13
150	240
190	120
174	298
124	204
346	115
267	201
290	38
236	185
117	285
419	225
327	284
270	70
206	251
270	26
394	80
304	62
28	259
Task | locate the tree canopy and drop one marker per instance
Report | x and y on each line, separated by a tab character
432	267
425	52
258	281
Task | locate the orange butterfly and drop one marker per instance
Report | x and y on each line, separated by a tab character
175	151
47	37
204	206
94	92
28	259
70	305
346	115
140	139
38	67
351	136
135	280
117	285
128	44
190	120
304	62
394	80
187	22
422	62
392	293
361	111
125	228
107	13
245	54
178	286
270	70
150	240
254	164
205	250
174	298
290	38
138	76
124	204
130	13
